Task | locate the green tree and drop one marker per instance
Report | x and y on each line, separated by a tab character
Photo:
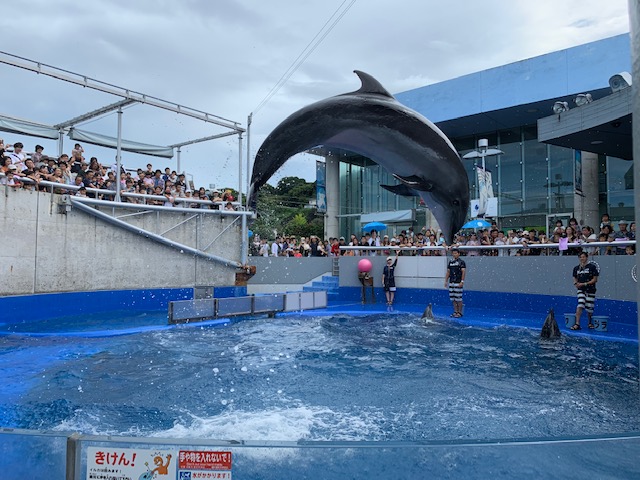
284	209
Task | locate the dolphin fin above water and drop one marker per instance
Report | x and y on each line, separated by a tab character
372	123
550	329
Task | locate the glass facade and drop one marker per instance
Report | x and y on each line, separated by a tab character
530	179
619	182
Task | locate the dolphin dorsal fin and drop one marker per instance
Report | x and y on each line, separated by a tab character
370	85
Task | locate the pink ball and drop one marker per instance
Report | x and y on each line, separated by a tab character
364	265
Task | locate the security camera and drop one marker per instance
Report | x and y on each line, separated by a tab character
620	81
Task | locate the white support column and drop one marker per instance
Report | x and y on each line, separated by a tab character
332	224
585	207
634	22
119	156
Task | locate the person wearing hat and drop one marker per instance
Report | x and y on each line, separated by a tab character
389	280
10	178
621	235
454	279
342	242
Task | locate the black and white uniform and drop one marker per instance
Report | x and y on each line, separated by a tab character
587	293
455	279
389	279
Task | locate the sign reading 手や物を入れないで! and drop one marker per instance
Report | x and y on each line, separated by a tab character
204	464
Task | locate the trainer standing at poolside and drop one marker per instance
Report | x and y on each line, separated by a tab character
454	278
389	279
585	277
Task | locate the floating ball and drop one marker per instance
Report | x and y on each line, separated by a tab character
364	265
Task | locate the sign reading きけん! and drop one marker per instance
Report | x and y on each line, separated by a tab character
106	463
201	464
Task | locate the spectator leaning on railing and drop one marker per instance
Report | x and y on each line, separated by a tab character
93	175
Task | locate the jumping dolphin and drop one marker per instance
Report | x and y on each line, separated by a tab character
550	329
372	123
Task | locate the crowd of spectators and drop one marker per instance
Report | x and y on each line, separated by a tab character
564	240
28	170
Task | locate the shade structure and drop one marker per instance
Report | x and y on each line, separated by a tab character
477	223
374	226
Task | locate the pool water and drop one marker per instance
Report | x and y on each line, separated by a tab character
382	376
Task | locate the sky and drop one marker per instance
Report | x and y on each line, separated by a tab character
224	57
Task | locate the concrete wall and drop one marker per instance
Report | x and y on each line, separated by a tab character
45	251
531	275
539	275
283	274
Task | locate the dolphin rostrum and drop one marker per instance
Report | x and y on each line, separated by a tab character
550	329
371	123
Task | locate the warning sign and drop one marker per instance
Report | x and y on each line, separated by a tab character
204	464
105	463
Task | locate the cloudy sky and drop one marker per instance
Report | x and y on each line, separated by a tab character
224	57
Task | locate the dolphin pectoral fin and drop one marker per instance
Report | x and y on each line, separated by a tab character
415	182
401	190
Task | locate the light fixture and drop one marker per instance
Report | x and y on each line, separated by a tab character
583	99
484	151
560	107
620	81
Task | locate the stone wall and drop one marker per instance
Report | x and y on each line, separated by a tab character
47	251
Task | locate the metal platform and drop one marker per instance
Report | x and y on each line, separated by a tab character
187	311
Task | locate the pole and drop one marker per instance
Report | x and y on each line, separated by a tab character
249	119
634	21
60	142
244	250
178	161
118	153
240	167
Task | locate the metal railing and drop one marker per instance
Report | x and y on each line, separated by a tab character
65	189
417	250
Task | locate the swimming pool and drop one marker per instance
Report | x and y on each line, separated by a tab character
366	376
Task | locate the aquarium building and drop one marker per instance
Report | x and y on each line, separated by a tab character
555	164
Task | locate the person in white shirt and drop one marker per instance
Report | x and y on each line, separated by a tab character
263	251
275	247
17	157
373	241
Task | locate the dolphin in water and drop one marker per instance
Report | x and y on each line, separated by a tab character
427	316
372	123
550	329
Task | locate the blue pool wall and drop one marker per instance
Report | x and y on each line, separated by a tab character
622	315
23	308
501	305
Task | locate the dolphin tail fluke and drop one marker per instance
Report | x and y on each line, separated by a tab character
550	329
